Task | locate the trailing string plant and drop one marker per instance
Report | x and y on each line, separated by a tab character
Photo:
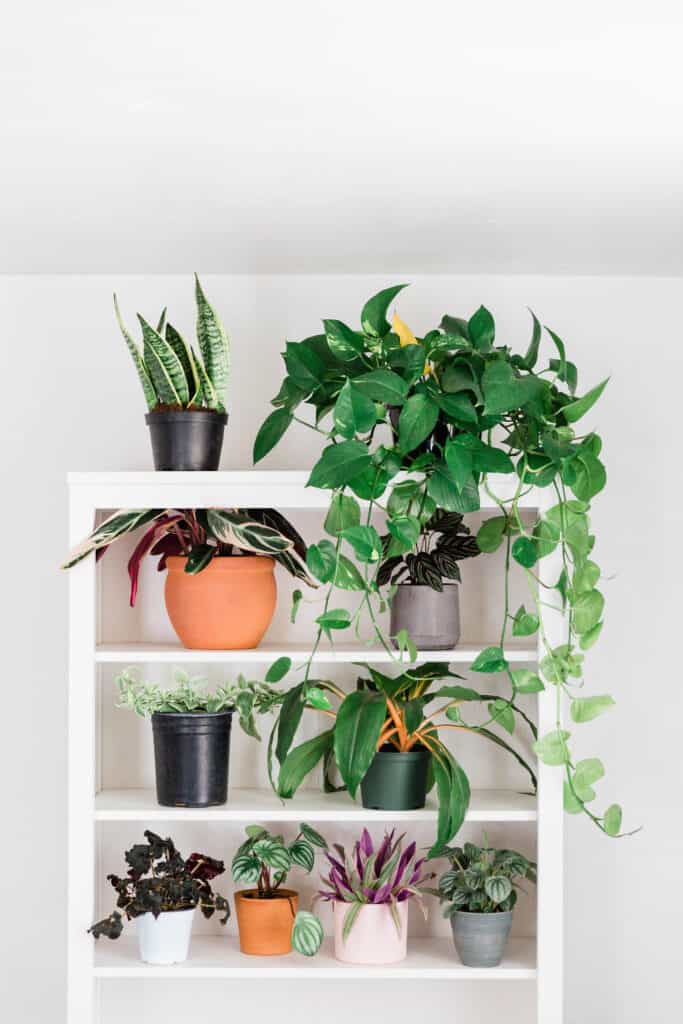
199	535
158	880
482	880
173	374
387	875
449	409
390	713
190	696
443	542
265	860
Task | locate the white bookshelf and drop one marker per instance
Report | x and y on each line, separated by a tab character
96	807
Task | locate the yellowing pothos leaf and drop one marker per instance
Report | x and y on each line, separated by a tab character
406	336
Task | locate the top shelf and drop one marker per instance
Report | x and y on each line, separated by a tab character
235	488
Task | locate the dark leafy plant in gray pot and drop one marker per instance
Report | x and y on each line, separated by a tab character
425	601
184	388
480	891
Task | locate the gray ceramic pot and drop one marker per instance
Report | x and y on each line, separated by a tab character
431	617
480	939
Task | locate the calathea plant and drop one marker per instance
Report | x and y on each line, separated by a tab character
173	374
158	880
200	535
444	541
265	860
394	713
482	880
190	696
452	408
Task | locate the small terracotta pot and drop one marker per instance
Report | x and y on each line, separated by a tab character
265	925
374	938
228	606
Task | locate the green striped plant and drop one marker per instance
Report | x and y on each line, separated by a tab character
175	375
265	860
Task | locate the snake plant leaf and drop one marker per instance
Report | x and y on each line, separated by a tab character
360	718
213	345
147	386
115	526
196	396
207	389
164	367
307	933
181	349
161	323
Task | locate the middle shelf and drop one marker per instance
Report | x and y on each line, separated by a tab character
264	805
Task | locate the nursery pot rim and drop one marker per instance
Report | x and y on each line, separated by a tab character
194	715
253	895
425	586
482	913
415	754
177	415
224	564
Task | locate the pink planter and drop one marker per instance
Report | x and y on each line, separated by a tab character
374	938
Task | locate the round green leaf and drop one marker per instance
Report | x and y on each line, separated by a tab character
417	421
270	432
383	386
301	853
365	541
344	512
497	888
525	552
405	530
354	412
588	609
307	933
339	464
490	534
612	820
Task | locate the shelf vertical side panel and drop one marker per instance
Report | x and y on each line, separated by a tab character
81	993
550	829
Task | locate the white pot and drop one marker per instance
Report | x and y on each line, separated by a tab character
374	938
166	938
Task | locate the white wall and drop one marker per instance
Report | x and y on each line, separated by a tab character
71	402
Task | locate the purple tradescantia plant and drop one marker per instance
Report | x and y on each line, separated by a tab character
386	875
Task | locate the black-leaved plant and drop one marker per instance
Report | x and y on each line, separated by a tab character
159	879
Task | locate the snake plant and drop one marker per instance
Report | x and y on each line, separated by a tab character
172	373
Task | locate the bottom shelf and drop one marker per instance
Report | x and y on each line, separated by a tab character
219	957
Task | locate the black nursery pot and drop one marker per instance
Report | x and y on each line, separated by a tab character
191	753
190	439
396	781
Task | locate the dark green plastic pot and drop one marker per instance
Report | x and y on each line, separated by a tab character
396	781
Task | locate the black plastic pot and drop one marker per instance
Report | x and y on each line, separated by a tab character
396	781
191	753
190	439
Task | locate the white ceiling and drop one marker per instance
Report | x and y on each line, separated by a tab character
157	136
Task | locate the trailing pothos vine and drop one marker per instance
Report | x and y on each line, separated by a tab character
415	425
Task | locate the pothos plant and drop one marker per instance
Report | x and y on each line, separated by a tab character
403	713
450	409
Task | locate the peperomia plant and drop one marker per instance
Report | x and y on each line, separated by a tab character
159	879
395	714
450	409
482	880
387	875
266	860
190	696
444	541
199	535
172	373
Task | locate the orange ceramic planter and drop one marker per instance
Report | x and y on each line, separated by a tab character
226	607
265	926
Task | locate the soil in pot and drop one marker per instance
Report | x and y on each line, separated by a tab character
374	938
191	754
265	925
186	439
396	781
480	939
431	617
227	606
165	939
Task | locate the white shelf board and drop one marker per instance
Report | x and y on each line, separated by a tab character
264	805
265	488
219	957
143	653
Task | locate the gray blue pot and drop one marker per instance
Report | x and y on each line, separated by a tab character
431	617
480	939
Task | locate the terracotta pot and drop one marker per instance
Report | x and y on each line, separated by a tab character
265	925
226	607
374	938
